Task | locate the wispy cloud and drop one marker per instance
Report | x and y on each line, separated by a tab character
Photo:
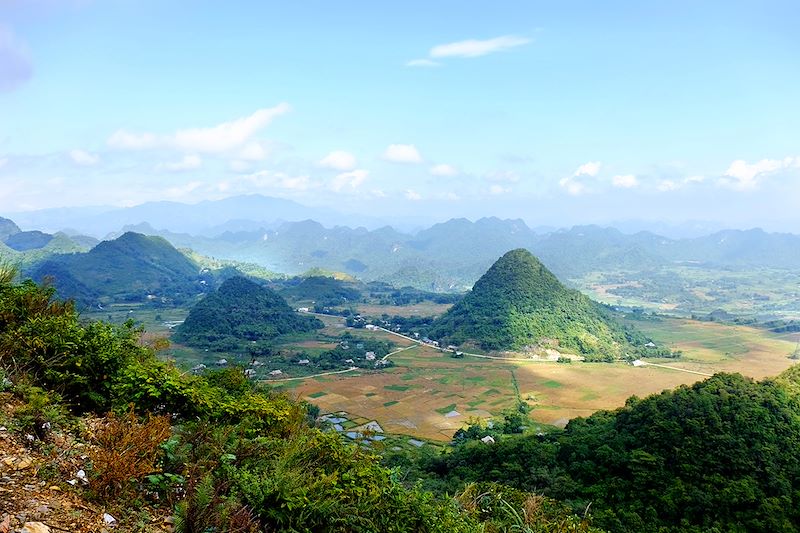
469	48
189	162
591	168
349	180
477	48
83	158
576	184
413	195
215	139
402	153
339	160
266	180
499	189
443	170
425	63
625	181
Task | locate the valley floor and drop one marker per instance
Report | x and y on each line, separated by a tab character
429	394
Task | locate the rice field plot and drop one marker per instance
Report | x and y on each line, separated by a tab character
426	395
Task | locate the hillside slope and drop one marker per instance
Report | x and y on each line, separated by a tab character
129	268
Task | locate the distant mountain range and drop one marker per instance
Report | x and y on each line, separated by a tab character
448	256
208	218
452	255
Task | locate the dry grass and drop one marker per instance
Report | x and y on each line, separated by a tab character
127	449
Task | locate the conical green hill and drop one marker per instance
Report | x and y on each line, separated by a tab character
519	303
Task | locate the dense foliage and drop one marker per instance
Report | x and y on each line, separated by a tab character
518	303
720	455
241	310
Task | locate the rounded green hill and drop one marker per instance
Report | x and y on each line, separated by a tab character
241	310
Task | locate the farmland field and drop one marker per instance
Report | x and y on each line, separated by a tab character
428	394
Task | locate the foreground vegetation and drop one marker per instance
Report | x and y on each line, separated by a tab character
224	454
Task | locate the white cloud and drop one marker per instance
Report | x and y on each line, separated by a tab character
402	153
746	176
265	179
3	162
189	162
83	158
339	160
499	189
253	151
413	195
673	185
625	181
591	168
443	170
572	187
477	48
216	139
349	180
422	63
576	184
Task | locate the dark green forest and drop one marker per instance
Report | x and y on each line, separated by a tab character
241	310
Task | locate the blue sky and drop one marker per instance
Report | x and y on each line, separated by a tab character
556	112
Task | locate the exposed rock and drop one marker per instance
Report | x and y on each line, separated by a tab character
34	527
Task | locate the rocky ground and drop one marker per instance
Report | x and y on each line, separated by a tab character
44	486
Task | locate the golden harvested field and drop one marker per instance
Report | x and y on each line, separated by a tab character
429	394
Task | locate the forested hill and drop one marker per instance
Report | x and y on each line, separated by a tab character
720	455
241	310
132	267
519	303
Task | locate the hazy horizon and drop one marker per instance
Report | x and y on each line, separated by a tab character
607	114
